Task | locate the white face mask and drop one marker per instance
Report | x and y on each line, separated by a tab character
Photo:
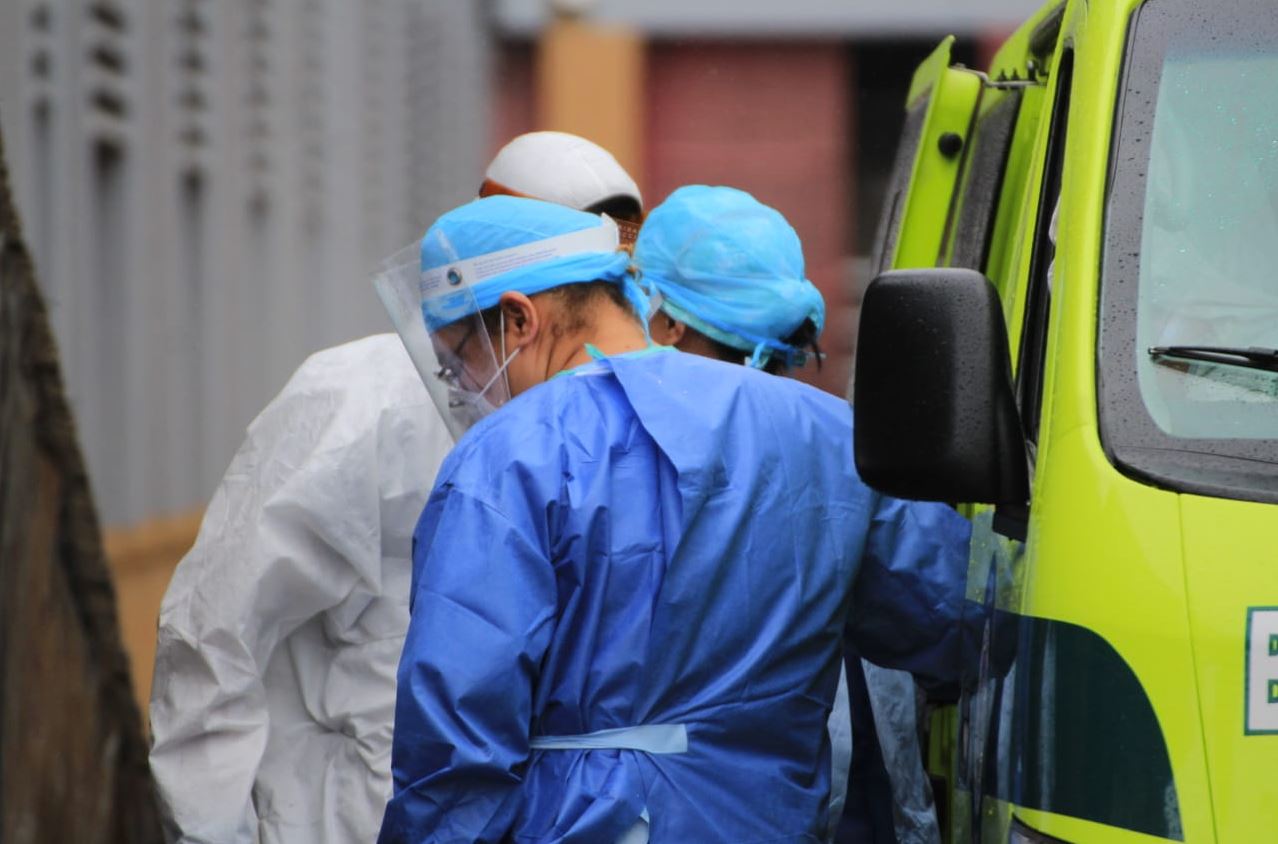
467	407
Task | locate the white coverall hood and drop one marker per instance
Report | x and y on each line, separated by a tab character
561	168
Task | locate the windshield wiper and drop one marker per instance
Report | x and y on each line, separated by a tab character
1248	357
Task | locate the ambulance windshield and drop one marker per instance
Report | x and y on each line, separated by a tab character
1209	244
1192	237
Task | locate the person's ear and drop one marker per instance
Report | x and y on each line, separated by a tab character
674	329
665	329
523	323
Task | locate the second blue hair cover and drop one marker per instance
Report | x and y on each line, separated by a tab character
731	267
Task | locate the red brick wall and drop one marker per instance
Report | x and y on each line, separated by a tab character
514	94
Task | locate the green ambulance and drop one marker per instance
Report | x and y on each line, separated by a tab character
1072	336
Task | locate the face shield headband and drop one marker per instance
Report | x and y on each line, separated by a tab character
448	291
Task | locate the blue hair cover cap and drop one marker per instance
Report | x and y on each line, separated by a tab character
730	267
475	253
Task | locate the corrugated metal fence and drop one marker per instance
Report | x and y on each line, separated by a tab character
206	183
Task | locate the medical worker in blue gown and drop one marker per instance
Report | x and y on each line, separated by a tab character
757	308
631	580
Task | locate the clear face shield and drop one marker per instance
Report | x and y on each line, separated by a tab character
439	316
455	357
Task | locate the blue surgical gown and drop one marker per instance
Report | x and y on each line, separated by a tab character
652	539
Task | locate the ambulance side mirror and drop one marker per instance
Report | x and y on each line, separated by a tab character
934	411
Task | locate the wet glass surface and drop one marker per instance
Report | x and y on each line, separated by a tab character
1191	249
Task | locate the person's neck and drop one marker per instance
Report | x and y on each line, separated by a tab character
614	332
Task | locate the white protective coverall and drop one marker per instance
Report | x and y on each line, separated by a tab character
274	692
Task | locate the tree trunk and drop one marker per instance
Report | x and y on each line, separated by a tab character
73	761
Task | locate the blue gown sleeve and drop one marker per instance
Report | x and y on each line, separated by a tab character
909	606
483	609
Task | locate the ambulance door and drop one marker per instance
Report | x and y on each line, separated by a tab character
938	118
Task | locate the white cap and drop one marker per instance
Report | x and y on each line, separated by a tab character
561	168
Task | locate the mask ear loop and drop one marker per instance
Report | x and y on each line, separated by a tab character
501	370
501	327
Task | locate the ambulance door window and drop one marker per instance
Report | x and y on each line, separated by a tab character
972	227
898	186
1029	375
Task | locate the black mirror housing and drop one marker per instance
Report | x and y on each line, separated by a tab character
935	413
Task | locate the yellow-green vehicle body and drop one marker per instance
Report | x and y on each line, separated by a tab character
1129	681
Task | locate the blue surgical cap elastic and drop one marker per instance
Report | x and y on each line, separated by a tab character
497	223
730	267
